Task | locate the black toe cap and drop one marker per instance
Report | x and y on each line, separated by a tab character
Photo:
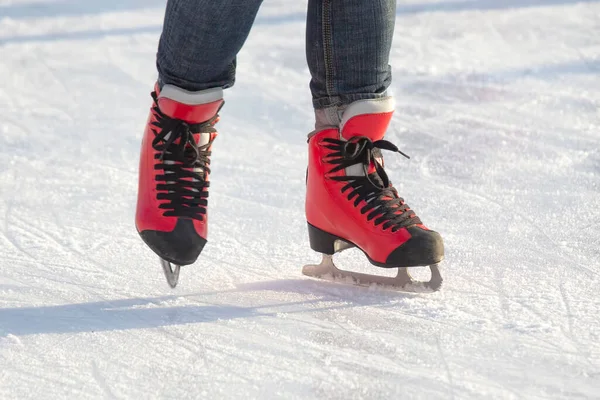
423	248
181	246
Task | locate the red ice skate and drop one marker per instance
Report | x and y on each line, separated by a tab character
171	214
350	202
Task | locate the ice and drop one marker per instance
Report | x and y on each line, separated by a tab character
497	105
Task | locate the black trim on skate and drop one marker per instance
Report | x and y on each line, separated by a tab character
321	241
181	246
424	248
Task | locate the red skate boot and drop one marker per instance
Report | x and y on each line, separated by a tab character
174	175
350	202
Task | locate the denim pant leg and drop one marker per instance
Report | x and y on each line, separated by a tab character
200	41
348	44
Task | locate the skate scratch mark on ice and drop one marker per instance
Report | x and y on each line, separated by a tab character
7	232
501	292
25	130
36	263
255	252
446	366
342	327
28	228
184	342
255	311
255	203
321	324
31	230
99	165
61	282
198	351
577	229
571	335
541	319
443	324
14	243
555	248
97	242
118	65
108	393
275	366
523	305
221	353
37	379
218	260
42	61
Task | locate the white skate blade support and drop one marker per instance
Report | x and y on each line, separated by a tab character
171	274
327	270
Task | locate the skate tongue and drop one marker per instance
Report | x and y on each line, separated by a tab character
358	168
203	139
191	107
368	118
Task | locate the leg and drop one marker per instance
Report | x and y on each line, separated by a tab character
350	200
200	41
347	47
196	61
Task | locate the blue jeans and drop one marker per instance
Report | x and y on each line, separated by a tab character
347	46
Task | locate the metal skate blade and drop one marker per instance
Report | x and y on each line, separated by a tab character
327	270
171	274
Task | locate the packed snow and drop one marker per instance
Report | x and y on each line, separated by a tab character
497	105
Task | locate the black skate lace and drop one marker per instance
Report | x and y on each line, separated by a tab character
382	201
179	154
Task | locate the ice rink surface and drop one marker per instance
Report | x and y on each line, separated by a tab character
498	106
